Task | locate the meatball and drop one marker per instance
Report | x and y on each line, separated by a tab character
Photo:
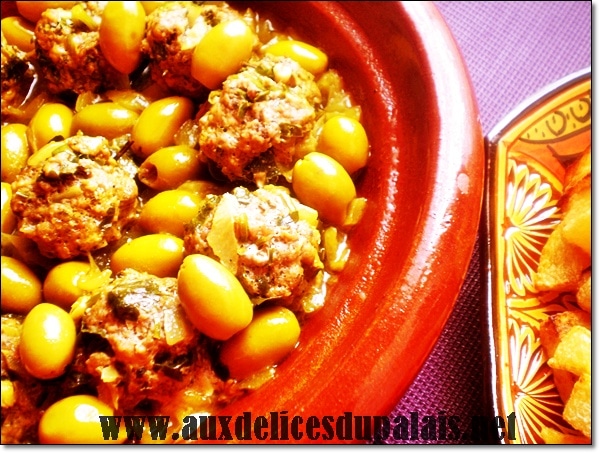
18	77
266	238
172	32
138	344
259	118
77	200
68	51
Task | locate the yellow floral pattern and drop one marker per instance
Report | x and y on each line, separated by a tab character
531	214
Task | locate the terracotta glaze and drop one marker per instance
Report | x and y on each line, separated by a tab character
424	185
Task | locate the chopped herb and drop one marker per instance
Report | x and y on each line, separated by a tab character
172	366
125	300
290	130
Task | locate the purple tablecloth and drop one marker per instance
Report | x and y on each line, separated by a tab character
512	50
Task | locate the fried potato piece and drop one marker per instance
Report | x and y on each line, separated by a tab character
552	330
561	264
577	218
578	409
574	352
567	253
564	266
556	326
584	293
578	170
553	436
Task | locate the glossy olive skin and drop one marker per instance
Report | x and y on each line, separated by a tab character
107	119
169	167
61	283
213	297
15	150
18	32
323	184
309	57
169	211
21	287
203	188
345	140
47	342
158	123
129	99
50	121
9	220
158	254
221	52
121	33
272	335
151	6
76	420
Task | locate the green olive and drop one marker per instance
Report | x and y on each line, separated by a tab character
151	6
321	183
19	33
221	52
129	98
76	420
213	297
169	211
61	285
158	123
170	167
9	220
121	34
15	150
309	57
158	254
107	119
50	121
202	188
21	287
345	140
272	335
47	342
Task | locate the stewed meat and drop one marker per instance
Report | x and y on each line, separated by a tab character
139	346
77	200
172	32
68	51
266	238
254	124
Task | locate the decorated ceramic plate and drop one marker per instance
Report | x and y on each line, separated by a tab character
529	152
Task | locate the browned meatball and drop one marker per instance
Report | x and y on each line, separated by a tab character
18	76
76	201
266	238
259	118
138	344
172	32
68	51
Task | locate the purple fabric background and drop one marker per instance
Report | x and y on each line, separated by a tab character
512	50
